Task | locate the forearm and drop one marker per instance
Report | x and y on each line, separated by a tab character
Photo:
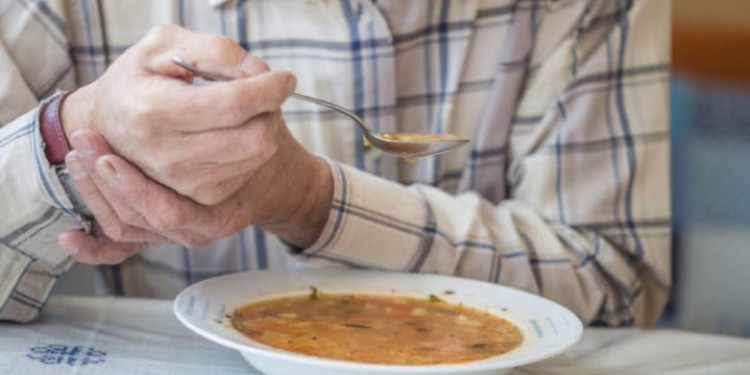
376	223
302	210
34	210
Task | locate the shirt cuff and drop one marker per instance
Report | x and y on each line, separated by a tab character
77	205
373	223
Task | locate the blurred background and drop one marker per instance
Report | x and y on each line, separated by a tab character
711	175
711	165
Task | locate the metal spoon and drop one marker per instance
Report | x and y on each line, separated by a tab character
408	145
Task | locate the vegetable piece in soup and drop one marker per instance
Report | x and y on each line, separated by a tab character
377	329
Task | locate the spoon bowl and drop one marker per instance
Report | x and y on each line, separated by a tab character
407	145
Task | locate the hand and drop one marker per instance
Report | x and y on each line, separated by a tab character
202	141
98	248
289	196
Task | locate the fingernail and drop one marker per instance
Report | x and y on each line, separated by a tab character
82	143
74	167
107	171
291	83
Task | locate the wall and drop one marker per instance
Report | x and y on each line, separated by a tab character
711	39
711	165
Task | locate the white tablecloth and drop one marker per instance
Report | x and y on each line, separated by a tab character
83	335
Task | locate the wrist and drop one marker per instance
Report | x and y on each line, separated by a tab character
308	202
56	144
73	115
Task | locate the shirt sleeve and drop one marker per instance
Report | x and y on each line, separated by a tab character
608	271
34	207
34	210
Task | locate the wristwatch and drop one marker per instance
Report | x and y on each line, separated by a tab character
56	147
56	144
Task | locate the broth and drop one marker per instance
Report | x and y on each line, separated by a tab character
419	137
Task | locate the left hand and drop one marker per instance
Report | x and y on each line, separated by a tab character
289	196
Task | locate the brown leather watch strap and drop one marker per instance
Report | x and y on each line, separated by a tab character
50	123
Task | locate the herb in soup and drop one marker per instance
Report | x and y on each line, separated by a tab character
377	329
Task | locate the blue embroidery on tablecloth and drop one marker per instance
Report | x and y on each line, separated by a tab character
58	354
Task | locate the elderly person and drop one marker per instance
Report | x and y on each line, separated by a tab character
563	192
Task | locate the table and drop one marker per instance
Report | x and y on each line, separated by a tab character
88	335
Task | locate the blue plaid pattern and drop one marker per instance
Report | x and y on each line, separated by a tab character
564	191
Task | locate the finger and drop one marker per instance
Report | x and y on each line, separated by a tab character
169	213
223	104
89	146
252	140
107	218
215	53
163	42
227	158
125	226
247	66
251	65
116	207
96	250
114	210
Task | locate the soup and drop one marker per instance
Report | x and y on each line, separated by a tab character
377	329
415	137
420	137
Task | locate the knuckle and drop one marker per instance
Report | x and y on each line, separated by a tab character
207	197
157	38
285	79
158	34
223	46
142	119
163	31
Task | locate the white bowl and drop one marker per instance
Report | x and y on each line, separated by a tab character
547	327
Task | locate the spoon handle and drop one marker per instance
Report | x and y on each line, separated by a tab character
337	108
213	76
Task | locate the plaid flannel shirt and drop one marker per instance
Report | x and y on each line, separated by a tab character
563	192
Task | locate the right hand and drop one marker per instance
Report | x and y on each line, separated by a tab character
290	197
201	141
